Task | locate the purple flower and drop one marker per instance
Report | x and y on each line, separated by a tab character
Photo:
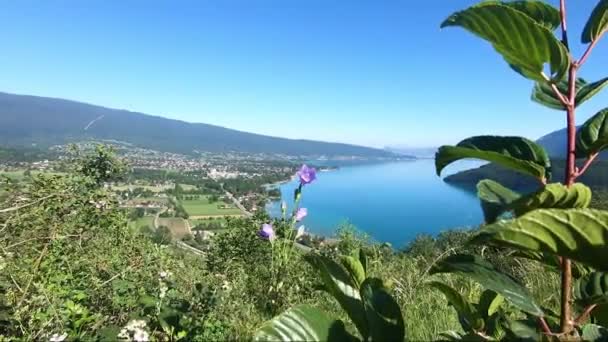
267	232
307	174
301	213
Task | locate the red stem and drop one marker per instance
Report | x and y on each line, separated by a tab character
587	52
570	174
562	11
585	314
586	165
544	326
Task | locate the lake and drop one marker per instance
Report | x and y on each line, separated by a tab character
391	202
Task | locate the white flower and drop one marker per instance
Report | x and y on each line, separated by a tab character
136	324
58	338
163	274
300	232
124	334
163	291
141	336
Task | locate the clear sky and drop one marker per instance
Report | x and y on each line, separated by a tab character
370	72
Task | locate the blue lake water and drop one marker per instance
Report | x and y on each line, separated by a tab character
391	202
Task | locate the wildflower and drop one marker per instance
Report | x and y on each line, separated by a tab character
58	338
124	334
301	232
163	291
307	174
283	207
141	336
163	274
301	213
136	324
267	232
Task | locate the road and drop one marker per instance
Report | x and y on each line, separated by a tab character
238	204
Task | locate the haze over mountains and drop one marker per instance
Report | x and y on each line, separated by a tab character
27	120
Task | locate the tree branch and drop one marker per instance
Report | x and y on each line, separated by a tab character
26	205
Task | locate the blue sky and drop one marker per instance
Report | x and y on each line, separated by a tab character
371	72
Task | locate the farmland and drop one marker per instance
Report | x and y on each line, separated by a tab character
203	207
178	226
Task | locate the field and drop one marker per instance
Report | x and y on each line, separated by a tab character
219	221
143	222
177	226
202	207
153	188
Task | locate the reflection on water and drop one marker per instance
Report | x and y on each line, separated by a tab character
391	202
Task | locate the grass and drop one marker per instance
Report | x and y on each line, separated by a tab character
202	207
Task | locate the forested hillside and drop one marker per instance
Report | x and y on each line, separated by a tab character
26	120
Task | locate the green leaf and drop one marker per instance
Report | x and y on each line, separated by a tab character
597	23
594	332
471	319
355	269
520	154
495	199
523	330
484	273
383	313
543	94
341	286
525	44
363	259
592	289
592	137
578	234
489	303
302	323
542	13
554	196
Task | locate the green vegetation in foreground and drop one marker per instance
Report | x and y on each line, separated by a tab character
203	207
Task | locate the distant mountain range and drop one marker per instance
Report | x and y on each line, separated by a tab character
417	152
27	120
555	145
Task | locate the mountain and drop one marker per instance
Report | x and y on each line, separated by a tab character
554	143
27	120
417	152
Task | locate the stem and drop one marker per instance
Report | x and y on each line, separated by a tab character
580	319
544	326
587	52
562	11
570	175
586	165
